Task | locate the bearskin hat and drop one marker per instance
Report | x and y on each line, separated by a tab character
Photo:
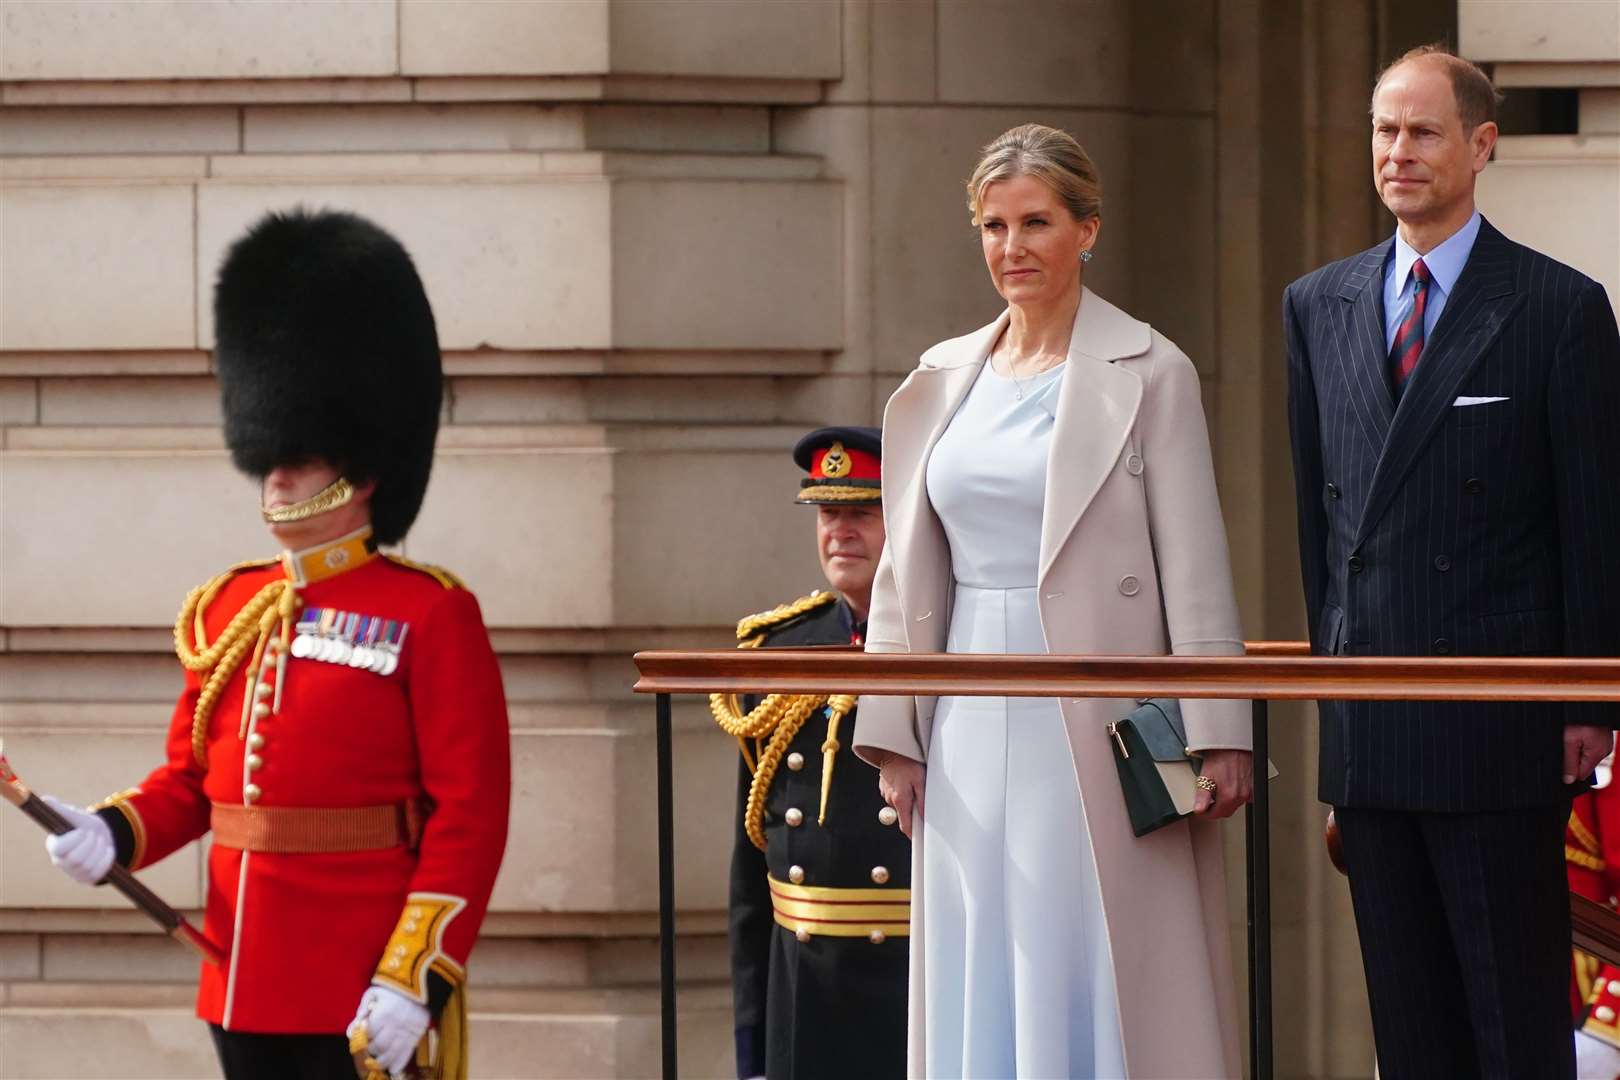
326	348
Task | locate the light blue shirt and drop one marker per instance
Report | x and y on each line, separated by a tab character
1445	265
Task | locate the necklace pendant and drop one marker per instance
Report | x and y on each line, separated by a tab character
1019	394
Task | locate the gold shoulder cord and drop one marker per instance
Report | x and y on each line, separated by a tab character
438	573
250	628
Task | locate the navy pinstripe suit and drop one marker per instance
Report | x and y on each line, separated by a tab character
1432	529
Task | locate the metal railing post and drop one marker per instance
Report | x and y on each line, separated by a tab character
666	884
1257	832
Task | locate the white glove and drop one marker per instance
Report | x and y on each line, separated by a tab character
86	853
1595	1059
394	1025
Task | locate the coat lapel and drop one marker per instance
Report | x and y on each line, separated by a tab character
1364	358
1096	409
1484	300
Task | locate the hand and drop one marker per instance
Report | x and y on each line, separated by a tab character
900	782
1584	747
1233	773
86	853
394	1025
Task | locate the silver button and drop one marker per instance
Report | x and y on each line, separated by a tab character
880	874
263	690
876	937
1133	464
1129	585
888	815
251	793
795	761
1604	1014
261	710
254	761
794	817
1614	987
796	874
255	741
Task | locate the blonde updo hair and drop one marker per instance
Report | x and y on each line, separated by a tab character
1049	155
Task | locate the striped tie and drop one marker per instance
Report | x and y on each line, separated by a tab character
1403	357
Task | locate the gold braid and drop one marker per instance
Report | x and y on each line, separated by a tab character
798	710
220	660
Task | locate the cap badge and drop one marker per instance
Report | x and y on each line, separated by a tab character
837	463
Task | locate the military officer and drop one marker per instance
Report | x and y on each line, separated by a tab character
820	874
342	730
1592	857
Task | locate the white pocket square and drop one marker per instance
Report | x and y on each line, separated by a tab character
1462	401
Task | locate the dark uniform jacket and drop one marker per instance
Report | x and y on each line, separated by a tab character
808	1003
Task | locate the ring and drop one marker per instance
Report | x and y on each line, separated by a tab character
1204	783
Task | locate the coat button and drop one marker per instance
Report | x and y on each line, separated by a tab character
795	761
1133	464
1442	563
1355	564
802	934
1604	1014
1442	647
261	710
1129	586
1333	491
251	793
255	741
254	762
880	874
876	937
794	817
1473	485
263	690
888	815
796	874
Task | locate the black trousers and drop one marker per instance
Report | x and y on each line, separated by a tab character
1464	924
245	1055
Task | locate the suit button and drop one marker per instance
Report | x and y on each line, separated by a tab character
1133	464
888	815
794	817
1442	647
1473	485
1333	491
796	874
876	937
1129	586
880	874
1442	563
795	761
1355	564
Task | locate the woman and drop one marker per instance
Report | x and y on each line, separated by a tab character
1048	487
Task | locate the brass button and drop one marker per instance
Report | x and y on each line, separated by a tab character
254	761
251	793
880	874
1129	586
263	690
411	926
255	741
1604	1014
876	937
888	815
416	913
794	817
796	874
802	934
261	710
795	761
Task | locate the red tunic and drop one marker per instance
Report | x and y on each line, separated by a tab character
306	933
1592	857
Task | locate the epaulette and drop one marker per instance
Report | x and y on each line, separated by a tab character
782	613
437	573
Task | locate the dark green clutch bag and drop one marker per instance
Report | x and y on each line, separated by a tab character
1158	776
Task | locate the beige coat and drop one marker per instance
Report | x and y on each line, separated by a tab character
1130	479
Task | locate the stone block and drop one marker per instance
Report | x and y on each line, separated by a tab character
527	962
147	1044
1034	52
61	508
103	958
112	690
129	402
1172	229
1600	112
506	265
1529	200
1172	58
548	560
498	400
904	55
197	39
785	39
1548	30
83	767
772	284
19	401
19	957
928	279
349	129
562	1044
507	37
202	130
102	267
698	129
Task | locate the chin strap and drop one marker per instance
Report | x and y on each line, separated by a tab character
333	495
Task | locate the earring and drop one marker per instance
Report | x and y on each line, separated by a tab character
1085	256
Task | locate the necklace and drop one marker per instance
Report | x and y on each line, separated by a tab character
1019	385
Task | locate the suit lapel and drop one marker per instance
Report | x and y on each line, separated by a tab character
1481	304
1096	410
1364	359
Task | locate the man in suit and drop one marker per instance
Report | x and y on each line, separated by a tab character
820	872
1451	395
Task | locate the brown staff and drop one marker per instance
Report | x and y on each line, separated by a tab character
174	924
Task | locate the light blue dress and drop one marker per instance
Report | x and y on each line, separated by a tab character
1019	980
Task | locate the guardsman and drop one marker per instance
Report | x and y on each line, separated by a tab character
343	730
1592	857
820	875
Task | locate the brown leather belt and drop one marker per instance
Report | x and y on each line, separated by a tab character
310	830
